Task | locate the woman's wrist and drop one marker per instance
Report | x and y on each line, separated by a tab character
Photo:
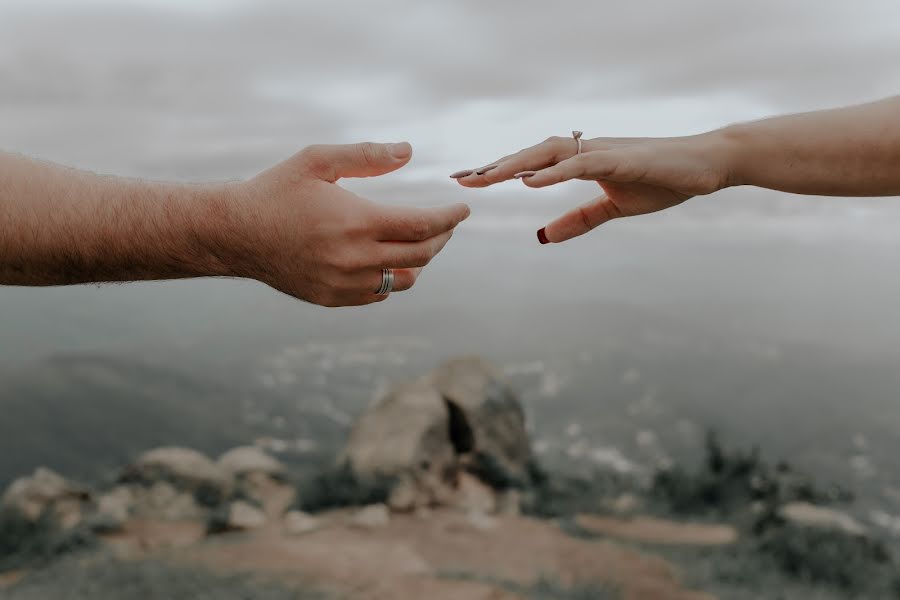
732	149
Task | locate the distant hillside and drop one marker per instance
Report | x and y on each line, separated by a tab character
88	414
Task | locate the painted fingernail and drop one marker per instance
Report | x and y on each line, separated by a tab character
484	170
522	174
460	174
542	236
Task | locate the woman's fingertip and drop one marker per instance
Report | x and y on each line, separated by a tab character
542	236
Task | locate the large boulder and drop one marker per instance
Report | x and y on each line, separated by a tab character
424	435
186	470
489	419
44	491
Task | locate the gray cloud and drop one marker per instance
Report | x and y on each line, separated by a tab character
215	93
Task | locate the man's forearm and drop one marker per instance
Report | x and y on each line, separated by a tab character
60	226
852	151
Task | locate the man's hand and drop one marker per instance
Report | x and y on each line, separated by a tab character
291	227
310	238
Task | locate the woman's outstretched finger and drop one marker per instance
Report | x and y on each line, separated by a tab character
596	165
536	157
579	221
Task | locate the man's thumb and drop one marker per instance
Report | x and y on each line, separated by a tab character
365	159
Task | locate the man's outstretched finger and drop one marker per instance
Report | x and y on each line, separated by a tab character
579	221
412	254
409	223
366	159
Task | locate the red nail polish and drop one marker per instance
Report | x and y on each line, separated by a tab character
542	236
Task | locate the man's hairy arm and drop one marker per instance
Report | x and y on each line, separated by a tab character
61	226
290	227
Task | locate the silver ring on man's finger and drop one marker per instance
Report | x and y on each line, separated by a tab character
387	282
577	135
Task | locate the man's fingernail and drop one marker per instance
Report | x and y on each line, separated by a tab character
522	174
484	170
542	236
400	151
460	174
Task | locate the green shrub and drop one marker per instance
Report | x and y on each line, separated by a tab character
26	543
109	579
852	563
340	487
545	588
730	481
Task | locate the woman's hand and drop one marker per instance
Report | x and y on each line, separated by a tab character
637	175
302	234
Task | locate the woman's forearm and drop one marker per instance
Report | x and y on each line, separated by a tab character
852	151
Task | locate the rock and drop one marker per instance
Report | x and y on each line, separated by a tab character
113	509
406	496
474	495
251	459
297	523
46	490
187	470
162	501
424	435
243	516
805	514
625	503
371	517
273	495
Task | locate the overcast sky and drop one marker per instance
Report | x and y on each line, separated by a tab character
208	90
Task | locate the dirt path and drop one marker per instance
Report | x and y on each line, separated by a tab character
426	557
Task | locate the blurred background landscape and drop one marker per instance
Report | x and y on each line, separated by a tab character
768	318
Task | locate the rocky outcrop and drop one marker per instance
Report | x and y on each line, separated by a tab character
186	470
462	419
46	491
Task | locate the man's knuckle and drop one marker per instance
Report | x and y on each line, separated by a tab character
369	152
